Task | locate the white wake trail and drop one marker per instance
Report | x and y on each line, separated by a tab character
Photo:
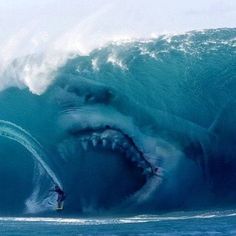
16	133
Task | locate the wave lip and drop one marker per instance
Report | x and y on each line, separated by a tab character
38	71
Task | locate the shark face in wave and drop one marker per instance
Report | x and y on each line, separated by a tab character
132	128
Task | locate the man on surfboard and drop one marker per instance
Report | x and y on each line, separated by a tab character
60	197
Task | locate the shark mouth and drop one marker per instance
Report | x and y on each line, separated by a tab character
109	164
116	141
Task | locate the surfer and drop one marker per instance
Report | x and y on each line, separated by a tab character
60	197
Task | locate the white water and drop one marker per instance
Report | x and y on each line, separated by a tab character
124	220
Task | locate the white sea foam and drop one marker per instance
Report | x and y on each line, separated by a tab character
115	61
120	220
35	71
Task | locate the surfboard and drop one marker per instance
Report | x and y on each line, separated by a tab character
60	208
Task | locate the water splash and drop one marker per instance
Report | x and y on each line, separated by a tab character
18	134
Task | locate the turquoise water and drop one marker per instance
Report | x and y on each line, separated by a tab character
105	121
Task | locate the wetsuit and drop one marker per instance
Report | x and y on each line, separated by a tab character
60	196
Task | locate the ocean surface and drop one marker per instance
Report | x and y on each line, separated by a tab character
181	223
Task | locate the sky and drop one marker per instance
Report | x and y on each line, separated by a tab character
77	26
31	25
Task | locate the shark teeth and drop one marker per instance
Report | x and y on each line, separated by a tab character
104	142
114	145
84	144
95	142
116	141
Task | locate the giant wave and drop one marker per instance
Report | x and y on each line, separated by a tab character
99	124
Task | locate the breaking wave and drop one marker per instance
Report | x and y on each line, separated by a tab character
135	126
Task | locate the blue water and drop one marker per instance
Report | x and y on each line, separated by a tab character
132	128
